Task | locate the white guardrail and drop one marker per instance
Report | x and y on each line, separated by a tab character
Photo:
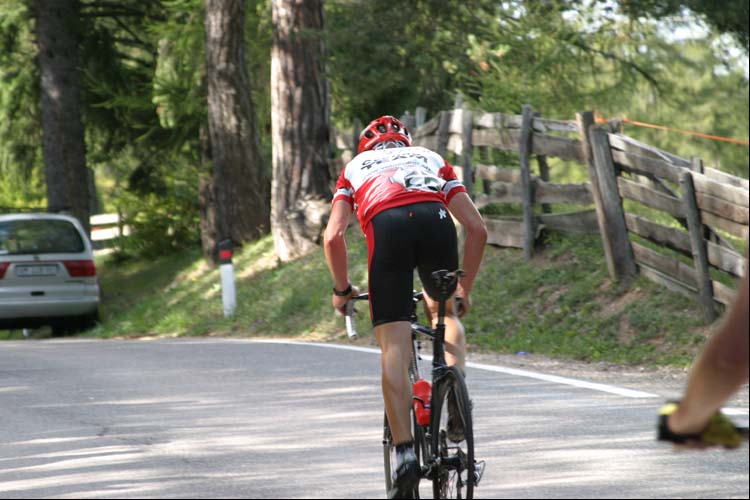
105	228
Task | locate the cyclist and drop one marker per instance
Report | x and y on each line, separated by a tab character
719	371
404	197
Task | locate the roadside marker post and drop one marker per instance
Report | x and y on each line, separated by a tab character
228	289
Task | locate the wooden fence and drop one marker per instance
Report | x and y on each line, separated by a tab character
461	131
704	202
688	256
106	229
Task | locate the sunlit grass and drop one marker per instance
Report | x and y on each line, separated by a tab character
562	303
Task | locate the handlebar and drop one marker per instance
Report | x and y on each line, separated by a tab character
443	279
351	329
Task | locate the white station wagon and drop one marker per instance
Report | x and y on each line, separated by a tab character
47	274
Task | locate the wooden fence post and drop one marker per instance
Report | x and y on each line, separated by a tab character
544	175
484	157
696	165
466	151
698	246
443	132
458	101
409	121
616	234
527	188
543	171
420	115
585	120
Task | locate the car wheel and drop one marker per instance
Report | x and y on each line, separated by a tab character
62	328
75	325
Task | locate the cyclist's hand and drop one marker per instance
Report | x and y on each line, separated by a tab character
463	302
339	303
720	431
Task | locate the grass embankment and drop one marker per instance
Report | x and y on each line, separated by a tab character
561	304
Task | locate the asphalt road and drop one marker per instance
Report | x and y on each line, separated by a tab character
221	418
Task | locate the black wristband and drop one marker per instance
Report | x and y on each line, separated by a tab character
343	293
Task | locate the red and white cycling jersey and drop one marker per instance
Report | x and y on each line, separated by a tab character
377	180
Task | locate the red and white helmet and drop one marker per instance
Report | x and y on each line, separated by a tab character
383	129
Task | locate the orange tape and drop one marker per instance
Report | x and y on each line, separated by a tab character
600	119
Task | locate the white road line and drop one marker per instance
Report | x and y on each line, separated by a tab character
620	391
498	369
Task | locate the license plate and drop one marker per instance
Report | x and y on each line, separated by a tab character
39	270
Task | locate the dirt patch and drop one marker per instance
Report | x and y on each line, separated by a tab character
552	299
560	259
619	305
626	334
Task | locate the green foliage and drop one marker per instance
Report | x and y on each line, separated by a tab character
161	211
727	16
559	60
21	167
390	56
706	91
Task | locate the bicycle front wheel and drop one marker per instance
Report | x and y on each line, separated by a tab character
452	438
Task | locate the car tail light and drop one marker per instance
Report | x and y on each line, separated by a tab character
3	268
80	268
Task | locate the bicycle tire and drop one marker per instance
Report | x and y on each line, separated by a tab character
388	451
421	449
453	474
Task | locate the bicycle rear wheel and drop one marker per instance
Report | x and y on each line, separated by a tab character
452	439
421	449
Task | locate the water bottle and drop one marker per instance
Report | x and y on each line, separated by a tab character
421	401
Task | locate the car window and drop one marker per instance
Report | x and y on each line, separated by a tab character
39	236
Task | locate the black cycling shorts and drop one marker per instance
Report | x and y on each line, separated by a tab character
400	239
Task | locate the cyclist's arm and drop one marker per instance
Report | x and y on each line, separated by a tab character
335	243
720	369
464	210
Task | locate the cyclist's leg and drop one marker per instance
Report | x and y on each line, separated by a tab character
390	240
395	345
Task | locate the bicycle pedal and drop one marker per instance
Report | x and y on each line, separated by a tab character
478	471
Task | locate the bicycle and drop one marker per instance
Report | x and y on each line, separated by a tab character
448	464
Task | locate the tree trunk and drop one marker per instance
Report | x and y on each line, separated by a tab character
209	225
63	134
240	183
301	190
